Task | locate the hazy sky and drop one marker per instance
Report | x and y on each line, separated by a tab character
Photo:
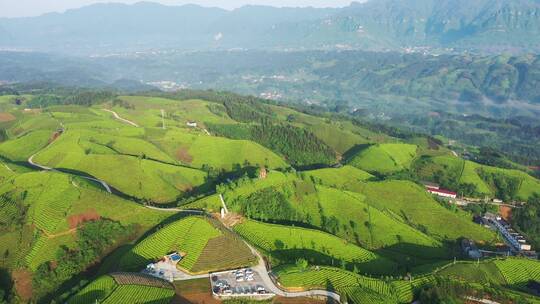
21	8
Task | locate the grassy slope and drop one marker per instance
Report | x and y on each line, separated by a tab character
277	239
132	175
107	290
467	172
340	135
191	236
371	227
19	149
385	158
52	198
218	152
411	202
513	273
345	177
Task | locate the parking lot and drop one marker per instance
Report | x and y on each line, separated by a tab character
239	283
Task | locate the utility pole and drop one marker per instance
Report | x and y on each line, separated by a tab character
163	118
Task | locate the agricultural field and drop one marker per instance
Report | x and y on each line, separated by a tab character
468	172
512	272
411	202
291	243
335	279
146	111
148	179
384	158
210	203
21	148
107	289
52	206
373	227
360	226
518	272
197	238
322	207
198	149
347	177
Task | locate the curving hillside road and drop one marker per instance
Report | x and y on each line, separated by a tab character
121	119
45	168
268	282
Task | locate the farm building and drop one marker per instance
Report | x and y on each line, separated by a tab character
431	185
441	192
470	249
191	124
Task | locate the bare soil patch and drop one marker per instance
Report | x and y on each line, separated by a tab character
195	298
505	212
75	220
194	292
182	154
23	283
4	117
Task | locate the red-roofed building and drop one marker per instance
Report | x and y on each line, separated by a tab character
441	192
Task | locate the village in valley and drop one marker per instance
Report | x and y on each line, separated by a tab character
514	243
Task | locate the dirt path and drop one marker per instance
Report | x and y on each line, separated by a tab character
52	236
129	122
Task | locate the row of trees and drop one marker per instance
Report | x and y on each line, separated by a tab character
76	97
528	219
299	146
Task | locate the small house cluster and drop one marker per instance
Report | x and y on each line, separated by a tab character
470	249
514	239
162	268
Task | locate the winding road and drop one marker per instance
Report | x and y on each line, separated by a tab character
45	168
129	122
260	267
269	283
103	183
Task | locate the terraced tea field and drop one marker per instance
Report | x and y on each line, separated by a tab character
196	237
107	290
385	158
300	242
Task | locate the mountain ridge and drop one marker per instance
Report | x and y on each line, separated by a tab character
484	26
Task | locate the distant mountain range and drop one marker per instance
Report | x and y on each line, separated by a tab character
433	25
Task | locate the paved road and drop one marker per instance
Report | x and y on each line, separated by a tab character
121	119
31	162
269	283
175	210
171	273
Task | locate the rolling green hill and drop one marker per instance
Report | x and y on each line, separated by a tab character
125	288
292	243
453	173
366	217
205	246
46	214
384	158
